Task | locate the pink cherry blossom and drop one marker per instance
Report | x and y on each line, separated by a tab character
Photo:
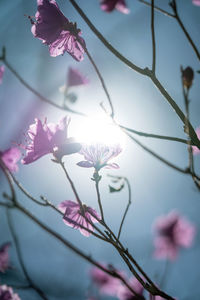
125	294
4	257
10	157
2	70
173	232
194	148
75	78
55	30
98	155
106	283
196	2
49	138
77	217
110	5
6	293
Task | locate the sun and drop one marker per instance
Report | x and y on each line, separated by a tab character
99	129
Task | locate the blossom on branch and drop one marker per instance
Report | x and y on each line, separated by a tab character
4	257
78	217
6	293
10	157
110	5
49	138
55	30
2	70
173	232
98	155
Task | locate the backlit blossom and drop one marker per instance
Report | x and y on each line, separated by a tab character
106	283
2	70
110	5
195	149
55	30
10	157
4	257
173	232
75	78
49	138
124	292
6	293
98	156
76	218
196	2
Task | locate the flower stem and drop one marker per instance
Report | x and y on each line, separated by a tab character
96	178
102	82
127	207
71	184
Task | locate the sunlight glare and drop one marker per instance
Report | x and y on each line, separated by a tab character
99	130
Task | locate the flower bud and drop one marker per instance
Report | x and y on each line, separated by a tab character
187	77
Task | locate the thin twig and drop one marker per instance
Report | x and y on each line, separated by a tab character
19	254
166	13
153	38
9	179
187	129
19	185
129	200
71	184
6	204
99	197
104	41
166	162
127	207
156	136
177	17
102	82
174	7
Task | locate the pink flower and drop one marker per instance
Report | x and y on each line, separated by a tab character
98	155
6	293
194	148
110	5
74	78
49	138
106	283
196	2
4	257
125	294
10	157
55	30
76	218
173	232
2	70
